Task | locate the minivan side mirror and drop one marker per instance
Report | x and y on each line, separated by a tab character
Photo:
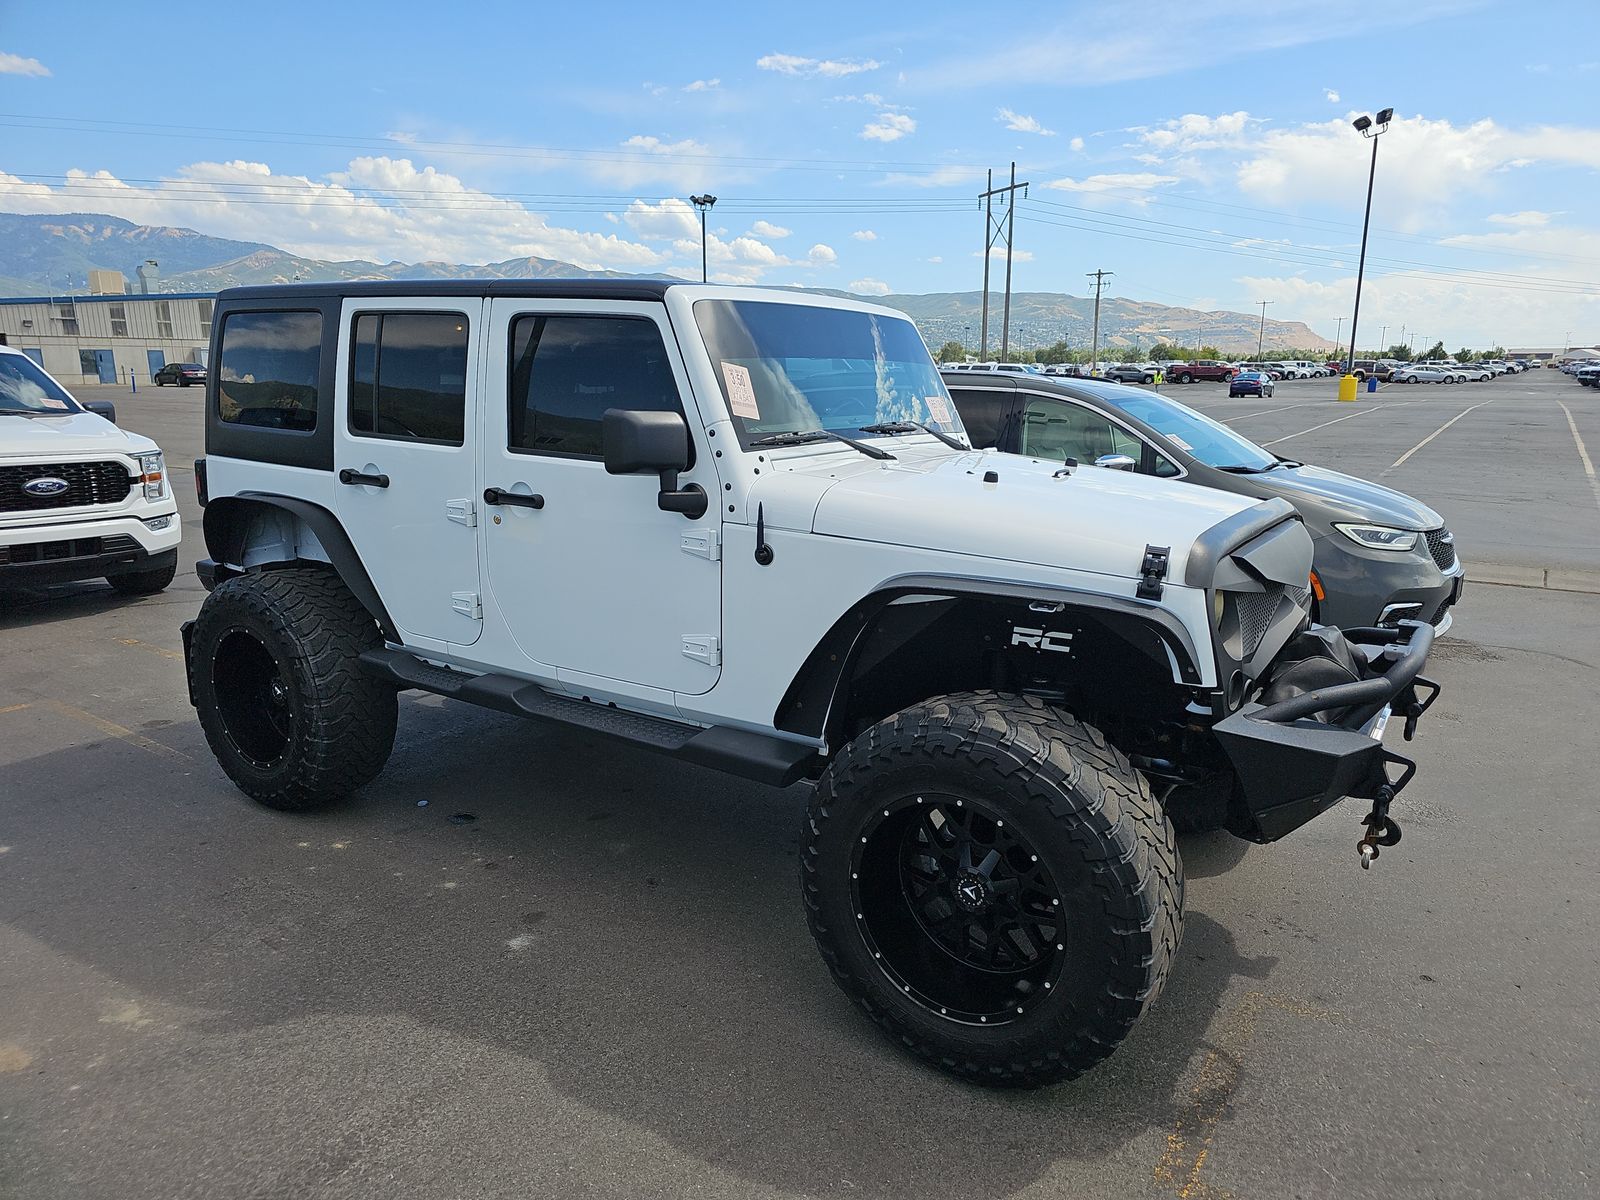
102	408
636	443
1117	462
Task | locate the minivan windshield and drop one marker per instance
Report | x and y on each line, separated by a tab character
1209	441
24	388
797	368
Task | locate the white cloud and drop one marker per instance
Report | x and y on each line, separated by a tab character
1194	131
828	68
1076	143
1529	218
767	229
998	254
15	64
937	258
869	287
889	127
864	235
1133	187
1330	95
1022	124
822	255
703	85
666	221
939	177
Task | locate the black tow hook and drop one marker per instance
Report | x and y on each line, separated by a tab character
1382	830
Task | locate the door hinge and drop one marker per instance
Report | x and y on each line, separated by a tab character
702	543
468	604
462	512
703	647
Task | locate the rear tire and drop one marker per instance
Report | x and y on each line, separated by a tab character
1186	378
285	706
897	838
144	583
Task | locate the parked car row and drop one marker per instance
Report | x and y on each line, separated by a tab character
1588	374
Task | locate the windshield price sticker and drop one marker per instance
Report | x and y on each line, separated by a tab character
52	402
1180	443
938	409
741	392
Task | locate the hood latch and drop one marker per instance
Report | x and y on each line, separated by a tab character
1152	572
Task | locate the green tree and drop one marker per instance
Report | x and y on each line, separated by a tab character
1498	352
952	352
1466	356
1398	352
1437	350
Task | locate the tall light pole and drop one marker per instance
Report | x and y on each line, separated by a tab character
1261	337
703	205
1369	128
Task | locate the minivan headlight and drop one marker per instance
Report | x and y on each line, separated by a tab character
153	473
1379	537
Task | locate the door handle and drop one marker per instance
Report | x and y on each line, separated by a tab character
359	477
496	495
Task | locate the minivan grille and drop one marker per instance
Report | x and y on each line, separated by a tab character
88	483
1442	545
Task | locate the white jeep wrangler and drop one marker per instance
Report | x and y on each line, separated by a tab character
79	498
744	528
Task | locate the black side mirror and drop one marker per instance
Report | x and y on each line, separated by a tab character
102	408
636	443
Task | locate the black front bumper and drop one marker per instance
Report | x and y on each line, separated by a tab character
1292	767
48	571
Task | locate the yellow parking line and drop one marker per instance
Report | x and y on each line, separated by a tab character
11	708
112	729
161	650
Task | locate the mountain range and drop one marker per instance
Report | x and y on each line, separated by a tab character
52	255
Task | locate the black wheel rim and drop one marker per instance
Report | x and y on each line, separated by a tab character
252	698
957	909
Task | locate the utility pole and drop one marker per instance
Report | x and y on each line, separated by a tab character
1337	328
1099	278
1261	338
1384	333
993	231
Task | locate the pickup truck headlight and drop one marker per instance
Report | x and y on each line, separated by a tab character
153	474
1379	537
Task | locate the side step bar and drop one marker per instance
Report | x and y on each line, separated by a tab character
754	756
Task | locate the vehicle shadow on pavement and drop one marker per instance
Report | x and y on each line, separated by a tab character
620	930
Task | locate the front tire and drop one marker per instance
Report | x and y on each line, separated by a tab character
284	704
994	884
1186	378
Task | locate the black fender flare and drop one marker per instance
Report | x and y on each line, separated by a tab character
226	522
812	697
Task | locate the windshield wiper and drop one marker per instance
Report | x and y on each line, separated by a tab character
910	426
799	437
1240	469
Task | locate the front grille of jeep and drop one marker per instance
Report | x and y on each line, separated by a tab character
1442	546
88	483
39	552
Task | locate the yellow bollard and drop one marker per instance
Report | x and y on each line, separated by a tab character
1348	386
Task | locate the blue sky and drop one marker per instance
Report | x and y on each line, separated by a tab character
1202	150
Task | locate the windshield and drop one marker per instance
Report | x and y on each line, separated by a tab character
791	368
25	388
1208	441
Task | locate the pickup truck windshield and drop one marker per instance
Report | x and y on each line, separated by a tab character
793	368
24	388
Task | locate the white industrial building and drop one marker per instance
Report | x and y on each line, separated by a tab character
108	338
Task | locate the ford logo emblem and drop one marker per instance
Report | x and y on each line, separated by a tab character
48	486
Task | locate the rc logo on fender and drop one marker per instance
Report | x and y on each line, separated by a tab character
1040	639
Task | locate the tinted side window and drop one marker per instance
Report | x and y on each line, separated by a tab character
1059	431
983	413
566	371
408	376
270	365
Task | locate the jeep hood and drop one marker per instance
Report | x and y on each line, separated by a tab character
70	434
1089	519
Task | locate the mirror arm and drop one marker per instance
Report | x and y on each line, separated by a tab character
690	501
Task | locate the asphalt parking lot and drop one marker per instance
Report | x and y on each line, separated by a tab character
581	970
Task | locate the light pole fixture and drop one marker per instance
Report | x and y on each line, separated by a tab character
1369	128
703	205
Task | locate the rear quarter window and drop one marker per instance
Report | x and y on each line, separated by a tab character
269	370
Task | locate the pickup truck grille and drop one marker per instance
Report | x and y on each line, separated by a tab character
88	483
1442	546
89	547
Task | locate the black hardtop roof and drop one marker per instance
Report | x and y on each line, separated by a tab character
557	289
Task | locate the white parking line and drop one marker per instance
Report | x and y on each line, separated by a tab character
1401	460
1583	453
1363	413
1265	411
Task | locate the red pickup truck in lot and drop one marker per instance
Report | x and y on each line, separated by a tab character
1201	368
